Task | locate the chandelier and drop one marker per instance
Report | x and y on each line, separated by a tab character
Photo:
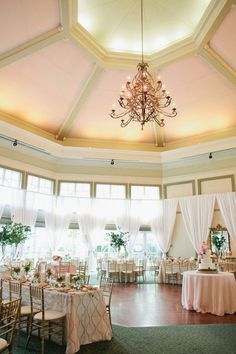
143	99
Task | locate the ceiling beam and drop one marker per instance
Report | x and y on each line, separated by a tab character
31	46
218	63
64	15
93	77
210	24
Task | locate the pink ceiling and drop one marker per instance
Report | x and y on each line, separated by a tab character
41	88
21	21
224	40
96	108
204	98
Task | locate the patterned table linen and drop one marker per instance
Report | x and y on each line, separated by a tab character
86	318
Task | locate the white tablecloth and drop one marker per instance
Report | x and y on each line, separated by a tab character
209	292
86	317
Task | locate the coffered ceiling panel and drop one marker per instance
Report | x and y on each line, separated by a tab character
42	87
224	40
59	79
21	21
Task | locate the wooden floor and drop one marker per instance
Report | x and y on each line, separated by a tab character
155	305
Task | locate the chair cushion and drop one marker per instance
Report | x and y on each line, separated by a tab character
49	315
3	344
26	310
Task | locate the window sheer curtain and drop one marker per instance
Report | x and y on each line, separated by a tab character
227	205
89	226
15	198
64	210
29	248
142	212
2	199
197	213
163	224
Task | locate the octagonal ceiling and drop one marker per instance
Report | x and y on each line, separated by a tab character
59	77
164	23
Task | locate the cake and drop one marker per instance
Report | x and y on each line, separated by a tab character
206	262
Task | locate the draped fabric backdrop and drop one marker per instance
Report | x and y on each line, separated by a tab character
163	224
227	205
197	213
129	215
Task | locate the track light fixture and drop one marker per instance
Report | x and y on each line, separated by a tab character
15	143
210	155
112	162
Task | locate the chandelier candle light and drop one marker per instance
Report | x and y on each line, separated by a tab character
144	100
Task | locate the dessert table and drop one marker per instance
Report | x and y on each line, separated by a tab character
86	318
212	292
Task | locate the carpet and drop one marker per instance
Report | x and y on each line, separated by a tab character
184	339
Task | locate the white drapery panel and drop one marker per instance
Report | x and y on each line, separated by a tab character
164	222
2	199
15	199
49	214
227	205
197	213
17	203
64	210
88	228
30	215
31	208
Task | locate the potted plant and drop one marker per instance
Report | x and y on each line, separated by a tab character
13	234
118	239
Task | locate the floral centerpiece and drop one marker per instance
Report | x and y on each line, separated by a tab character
27	267
59	278
16	271
77	280
57	258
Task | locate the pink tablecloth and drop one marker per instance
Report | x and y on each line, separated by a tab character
209	292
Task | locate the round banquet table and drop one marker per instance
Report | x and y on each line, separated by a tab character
209	292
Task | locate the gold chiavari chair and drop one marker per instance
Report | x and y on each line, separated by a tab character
106	284
64	267
127	273
113	270
183	267
8	318
25	313
171	274
46	322
139	270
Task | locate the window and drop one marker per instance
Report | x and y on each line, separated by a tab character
10	178
145	192
6	215
41	185
111	191
74	189
40	220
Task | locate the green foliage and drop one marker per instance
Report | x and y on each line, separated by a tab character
27	267
218	241
49	272
118	239
14	233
